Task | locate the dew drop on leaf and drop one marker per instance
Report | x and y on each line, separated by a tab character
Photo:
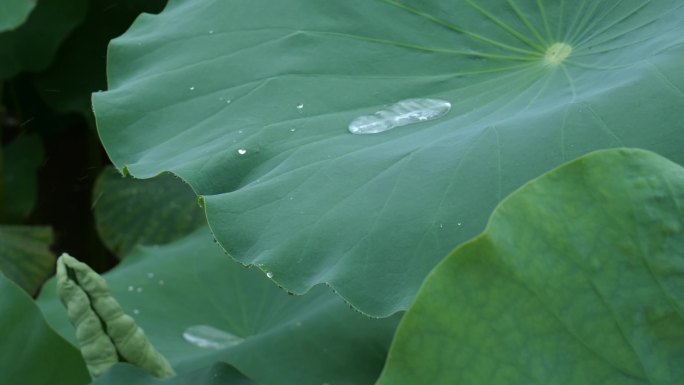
402	113
209	337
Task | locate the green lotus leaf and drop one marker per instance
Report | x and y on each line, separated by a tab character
218	374
31	352
31	46
576	280
104	332
197	307
131	211
14	13
25	255
79	66
250	102
21	159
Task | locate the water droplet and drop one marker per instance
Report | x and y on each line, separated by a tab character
441	225
136	311
298	324
139	290
211	31
293	129
192	88
209	337
150	275
161	282
242	151
239	131
269	274
131	288
228	101
291	198
459	223
405	112
300	107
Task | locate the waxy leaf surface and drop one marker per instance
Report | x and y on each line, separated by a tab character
576	280
249	101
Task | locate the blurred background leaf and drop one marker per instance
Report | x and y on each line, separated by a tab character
13	13
154	211
25	255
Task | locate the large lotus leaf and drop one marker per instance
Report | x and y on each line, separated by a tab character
21	159
576	280
131	211
217	374
32	46
249	101
30	352
14	12
197	306
79	66
25	255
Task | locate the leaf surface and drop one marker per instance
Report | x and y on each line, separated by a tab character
250	101
14	13
576	280
25	255
197	307
218	374
32	46
21	160
149	212
31	353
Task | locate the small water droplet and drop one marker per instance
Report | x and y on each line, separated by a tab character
139	290
131	288
291	198
459	223
300	107
192	88
298	324
269	274
150	275
293	129
242	151
228	101
405	112
209	337
161	282
211	31
136	311
239	131
441	225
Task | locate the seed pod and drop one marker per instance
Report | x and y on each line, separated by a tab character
105	333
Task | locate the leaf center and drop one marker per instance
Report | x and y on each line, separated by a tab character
557	53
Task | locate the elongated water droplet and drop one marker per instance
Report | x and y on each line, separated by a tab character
209	337
242	151
269	274
192	88
211	31
405	112
300	106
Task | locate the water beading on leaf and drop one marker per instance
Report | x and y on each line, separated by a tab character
104	332
255	116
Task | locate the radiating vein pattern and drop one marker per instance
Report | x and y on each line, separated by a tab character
531	83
